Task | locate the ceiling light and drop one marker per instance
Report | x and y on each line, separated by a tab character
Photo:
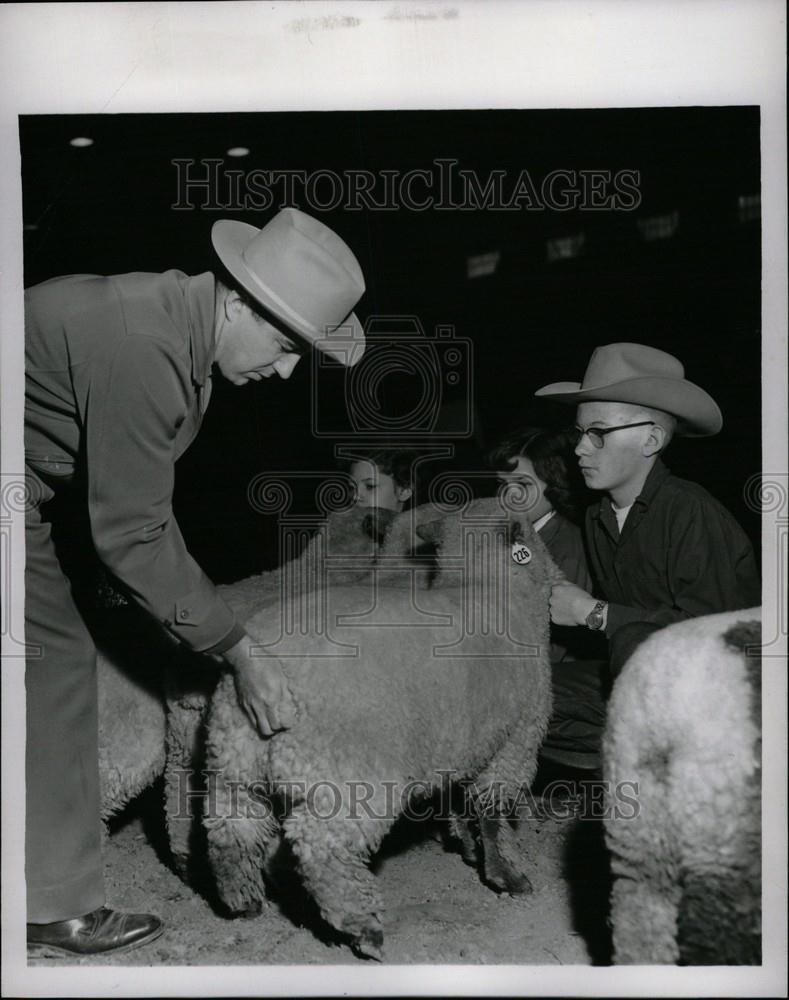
659	227
565	247
482	264
238	151
81	142
749	207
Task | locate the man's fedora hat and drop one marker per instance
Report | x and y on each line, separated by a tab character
303	273
645	376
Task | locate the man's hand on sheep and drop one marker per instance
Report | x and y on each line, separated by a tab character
261	687
570	604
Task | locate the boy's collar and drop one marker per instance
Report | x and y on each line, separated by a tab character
653	482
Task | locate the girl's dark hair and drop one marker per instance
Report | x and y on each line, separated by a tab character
551	454
395	462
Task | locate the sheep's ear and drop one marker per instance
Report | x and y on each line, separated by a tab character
516	532
376	524
431	531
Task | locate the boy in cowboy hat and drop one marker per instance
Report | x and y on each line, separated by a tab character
118	378
661	549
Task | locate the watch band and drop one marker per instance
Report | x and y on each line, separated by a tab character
594	620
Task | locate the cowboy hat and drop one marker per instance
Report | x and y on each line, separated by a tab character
645	376
303	273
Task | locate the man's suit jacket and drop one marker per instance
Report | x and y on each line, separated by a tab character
118	377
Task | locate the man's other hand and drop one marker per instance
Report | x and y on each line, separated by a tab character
261	687
570	604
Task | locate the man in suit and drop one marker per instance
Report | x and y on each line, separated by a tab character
118	377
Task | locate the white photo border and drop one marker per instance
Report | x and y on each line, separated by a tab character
157	57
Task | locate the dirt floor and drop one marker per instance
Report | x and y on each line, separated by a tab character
438	910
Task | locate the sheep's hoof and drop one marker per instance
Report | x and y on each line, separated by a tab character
367	941
515	883
370	945
238	906
519	885
180	865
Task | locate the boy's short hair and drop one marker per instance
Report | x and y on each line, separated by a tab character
665	420
395	462
551	454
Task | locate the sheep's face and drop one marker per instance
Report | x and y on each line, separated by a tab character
356	532
440	533
348	542
376	522
495	560
484	540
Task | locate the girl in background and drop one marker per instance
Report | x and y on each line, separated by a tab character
540	464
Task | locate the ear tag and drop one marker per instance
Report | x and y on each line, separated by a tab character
520	554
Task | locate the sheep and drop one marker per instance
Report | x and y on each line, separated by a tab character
153	693
684	722
341	552
455	687
131	738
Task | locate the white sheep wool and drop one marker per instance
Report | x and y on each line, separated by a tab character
684	730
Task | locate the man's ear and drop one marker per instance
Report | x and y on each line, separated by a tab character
655	441
233	305
404	493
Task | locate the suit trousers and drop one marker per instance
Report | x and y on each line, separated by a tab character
63	862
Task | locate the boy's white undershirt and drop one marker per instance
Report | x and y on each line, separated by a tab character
621	513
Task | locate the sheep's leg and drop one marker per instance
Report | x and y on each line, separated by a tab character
719	918
243	834
188	688
338	879
181	781
644	920
501	784
460	828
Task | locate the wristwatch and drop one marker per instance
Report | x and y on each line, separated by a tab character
594	619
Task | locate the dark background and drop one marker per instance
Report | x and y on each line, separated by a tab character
108	209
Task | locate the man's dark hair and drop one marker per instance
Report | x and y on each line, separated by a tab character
551	454
395	462
226	280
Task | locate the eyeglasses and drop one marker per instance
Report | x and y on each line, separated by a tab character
597	434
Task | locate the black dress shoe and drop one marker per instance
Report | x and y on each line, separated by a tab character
97	933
